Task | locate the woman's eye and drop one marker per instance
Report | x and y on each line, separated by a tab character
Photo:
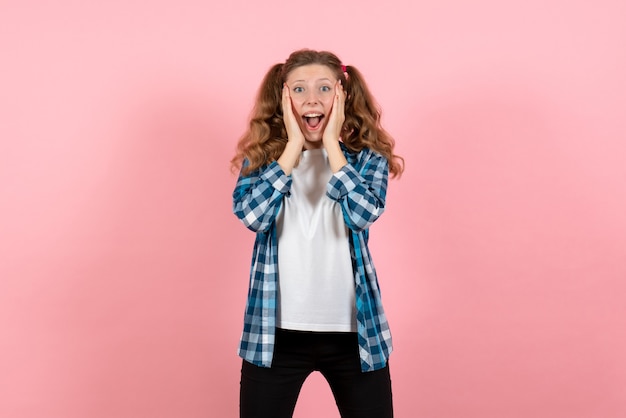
298	89
325	88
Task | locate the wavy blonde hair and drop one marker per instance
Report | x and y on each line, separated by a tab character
266	137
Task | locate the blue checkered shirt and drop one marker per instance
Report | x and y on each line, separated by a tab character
360	188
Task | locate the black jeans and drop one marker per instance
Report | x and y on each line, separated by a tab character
273	392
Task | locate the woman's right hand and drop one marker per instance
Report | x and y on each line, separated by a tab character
294	133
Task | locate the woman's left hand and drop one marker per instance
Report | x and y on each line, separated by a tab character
333	130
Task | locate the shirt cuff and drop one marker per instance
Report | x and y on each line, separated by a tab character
343	182
275	175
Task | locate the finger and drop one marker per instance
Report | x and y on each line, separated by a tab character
286	98
341	100
341	97
334	107
287	104
333	110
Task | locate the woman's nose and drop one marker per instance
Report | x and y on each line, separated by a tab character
312	98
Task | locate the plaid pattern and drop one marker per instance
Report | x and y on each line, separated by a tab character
360	187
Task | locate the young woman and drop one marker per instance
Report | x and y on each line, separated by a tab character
314	165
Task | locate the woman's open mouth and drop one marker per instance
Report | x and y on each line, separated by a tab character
313	120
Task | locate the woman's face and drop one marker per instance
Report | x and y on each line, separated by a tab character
312	90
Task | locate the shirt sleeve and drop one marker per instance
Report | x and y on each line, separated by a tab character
361	193
257	196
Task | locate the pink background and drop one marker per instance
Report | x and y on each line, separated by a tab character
502	255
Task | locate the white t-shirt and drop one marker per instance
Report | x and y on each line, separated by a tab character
315	277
